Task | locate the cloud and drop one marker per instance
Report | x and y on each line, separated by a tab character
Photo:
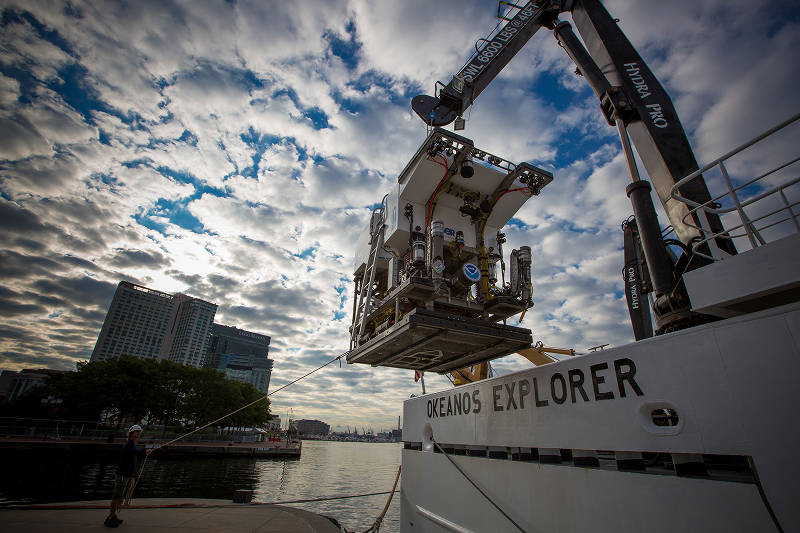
138	258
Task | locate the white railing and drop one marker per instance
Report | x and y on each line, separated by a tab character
768	202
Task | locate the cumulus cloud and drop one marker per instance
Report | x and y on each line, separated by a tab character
233	151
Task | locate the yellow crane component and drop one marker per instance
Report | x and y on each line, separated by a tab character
537	354
469	374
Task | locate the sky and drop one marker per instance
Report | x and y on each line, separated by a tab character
232	151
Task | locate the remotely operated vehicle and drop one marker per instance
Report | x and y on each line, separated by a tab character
433	288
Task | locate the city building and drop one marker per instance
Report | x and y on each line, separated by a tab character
6	381
274	424
229	339
241	355
247	369
151	324
312	427
15	384
190	335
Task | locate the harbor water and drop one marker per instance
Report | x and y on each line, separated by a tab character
325	469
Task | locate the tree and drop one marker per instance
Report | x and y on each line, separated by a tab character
139	389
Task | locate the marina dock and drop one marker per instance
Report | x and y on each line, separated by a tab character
167	515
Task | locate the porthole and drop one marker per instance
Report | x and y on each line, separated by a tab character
665	417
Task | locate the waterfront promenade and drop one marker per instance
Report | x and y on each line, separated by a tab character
152	515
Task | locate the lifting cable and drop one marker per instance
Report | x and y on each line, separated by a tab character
129	494
475	485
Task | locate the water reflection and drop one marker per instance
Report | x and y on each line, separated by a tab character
325	469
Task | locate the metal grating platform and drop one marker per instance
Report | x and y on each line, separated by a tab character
439	342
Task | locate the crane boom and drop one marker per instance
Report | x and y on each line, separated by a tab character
633	100
481	68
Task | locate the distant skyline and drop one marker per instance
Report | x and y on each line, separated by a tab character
232	151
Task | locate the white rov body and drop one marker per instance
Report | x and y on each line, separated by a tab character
415	186
430	280
694	430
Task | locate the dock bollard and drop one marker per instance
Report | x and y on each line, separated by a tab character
242	496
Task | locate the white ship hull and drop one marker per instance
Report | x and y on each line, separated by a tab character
730	463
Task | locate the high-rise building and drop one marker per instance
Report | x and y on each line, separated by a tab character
228	339
247	369
190	336
151	324
241	355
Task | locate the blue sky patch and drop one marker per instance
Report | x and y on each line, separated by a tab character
548	88
347	104
11	16
177	213
188	137
73	86
260	143
27	82
345	49
146	221
309	252
317	117
314	114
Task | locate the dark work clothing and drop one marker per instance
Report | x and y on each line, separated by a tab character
122	486
129	459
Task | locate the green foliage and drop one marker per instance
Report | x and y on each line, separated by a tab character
142	389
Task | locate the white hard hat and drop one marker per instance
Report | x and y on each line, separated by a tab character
135	427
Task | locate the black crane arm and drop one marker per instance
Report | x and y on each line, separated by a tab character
631	98
484	65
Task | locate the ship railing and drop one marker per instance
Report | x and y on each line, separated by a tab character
754	212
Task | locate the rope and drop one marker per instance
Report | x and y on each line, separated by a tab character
476	486
192	505
377	524
129	495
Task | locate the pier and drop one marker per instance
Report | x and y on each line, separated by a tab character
167	514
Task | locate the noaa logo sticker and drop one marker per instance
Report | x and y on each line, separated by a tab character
471	272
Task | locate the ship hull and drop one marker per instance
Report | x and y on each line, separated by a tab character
695	430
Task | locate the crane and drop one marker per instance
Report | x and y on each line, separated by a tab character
631	99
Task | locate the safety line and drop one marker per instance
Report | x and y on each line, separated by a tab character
252	403
46	507
476	486
129	495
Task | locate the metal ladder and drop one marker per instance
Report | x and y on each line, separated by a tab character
365	304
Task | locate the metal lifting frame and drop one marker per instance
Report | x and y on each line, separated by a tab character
377	232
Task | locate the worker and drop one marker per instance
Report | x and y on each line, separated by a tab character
126	472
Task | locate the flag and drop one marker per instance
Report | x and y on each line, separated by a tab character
418	375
